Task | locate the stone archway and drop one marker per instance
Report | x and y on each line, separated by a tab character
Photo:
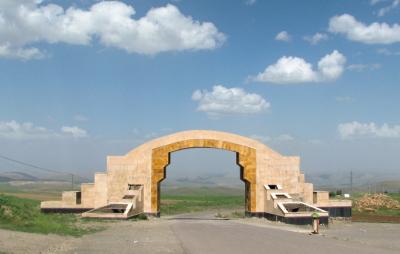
245	158
132	180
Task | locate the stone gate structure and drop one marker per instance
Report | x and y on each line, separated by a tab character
274	185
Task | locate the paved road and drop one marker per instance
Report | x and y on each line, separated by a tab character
202	236
193	234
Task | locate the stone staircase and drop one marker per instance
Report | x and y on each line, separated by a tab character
281	206
130	205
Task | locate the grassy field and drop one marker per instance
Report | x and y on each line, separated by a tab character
24	215
186	204
197	199
35	190
190	199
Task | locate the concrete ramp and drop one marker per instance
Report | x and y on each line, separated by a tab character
131	205
281	206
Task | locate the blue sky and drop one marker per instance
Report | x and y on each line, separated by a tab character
83	79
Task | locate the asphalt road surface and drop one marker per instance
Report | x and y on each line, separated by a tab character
202	233
224	236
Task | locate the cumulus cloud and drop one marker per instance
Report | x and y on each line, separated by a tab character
375	33
7	51
111	23
15	130
28	131
283	36
74	131
331	66
291	70
316	38
357	129
229	101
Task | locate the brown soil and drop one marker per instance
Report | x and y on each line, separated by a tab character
373	202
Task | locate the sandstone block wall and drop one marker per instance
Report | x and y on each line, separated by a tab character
145	166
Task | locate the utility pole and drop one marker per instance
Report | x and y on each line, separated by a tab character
72	181
351	183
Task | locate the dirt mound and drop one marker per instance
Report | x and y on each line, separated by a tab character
372	202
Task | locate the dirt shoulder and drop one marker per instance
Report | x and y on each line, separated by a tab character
21	242
152	236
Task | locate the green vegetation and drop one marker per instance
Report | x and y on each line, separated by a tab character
24	215
140	217
6	187
201	191
196	199
34	190
395	196
175	204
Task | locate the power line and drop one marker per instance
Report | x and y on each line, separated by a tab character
38	167
31	165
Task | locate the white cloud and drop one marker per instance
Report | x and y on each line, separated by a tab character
384	10
316	38
375	33
287	70
76	132
283	36
28	131
250	2
363	67
331	66
26	22
6	51
357	129
291	70
15	130
227	101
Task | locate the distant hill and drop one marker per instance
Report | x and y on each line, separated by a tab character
5	179
362	182
16	176
8	176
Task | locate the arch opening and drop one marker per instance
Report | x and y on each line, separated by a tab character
200	179
245	159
